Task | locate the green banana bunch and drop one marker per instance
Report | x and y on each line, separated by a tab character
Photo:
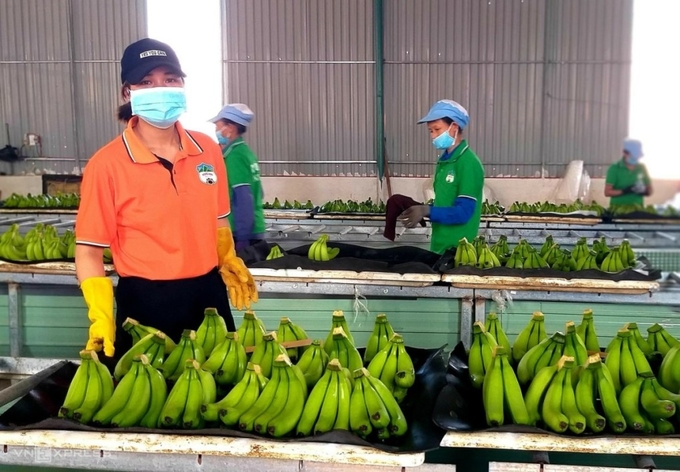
586	331
251	331
90	388
536	393
212	331
627	255
550	257
266	352
481	354
71	251
523	248
194	388
639	340
501	249
664	393
589	261
643	408
493	327
328	406
669	372
660	340
534	261
564	261
625	360
501	393
338	321
394	367
238	400
382	333
373	408
559	410
486	259
601	248
544	354
344	351
532	334
151	345
581	250
228	361
607	392
274	253
268	395
285	410
586	392
466	255
313	363
547	245
66	240
289	332
574	347
612	262
478	243
187	349
515	261
137	331
320	252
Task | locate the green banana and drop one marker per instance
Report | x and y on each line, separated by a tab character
529	337
586	331
585	400
493	327
382	332
338	321
286	420
480	355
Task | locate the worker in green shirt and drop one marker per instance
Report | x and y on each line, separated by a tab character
458	180
627	180
243	175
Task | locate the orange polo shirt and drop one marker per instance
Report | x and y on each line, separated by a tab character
159	219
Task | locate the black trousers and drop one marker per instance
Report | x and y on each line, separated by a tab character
169	305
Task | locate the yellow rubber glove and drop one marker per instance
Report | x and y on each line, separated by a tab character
237	278
98	294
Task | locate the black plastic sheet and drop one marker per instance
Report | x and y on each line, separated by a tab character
38	407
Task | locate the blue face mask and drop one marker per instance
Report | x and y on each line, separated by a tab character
159	106
632	160
221	139
444	140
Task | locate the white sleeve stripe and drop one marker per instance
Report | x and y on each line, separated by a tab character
220	217
467	196
241	185
90	243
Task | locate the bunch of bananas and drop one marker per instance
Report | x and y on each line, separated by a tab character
274	253
534	260
313	363
188	348
228	361
481	354
515	261
532	334
320	252
394	367
379	338
266	353
338	321
68	200
589	261
151	345
669	372
279	406
581	249
564	261
211	331
291	332
646	405
194	387
477	243
501	392
13	245
492	325
575	348
549	207
637	338
91	387
344	351
549	243
373	408
486	259
660	340
137	399
328	405
492	208
586	331
251	331
466	255
501	249
238	400
546	353
601	248
552	254
625	360
138	331
613	261
627	254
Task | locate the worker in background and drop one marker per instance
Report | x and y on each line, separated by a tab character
243	172
627	180
157	196
458	180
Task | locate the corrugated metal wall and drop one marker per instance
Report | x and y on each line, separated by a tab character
60	76
306	69
545	81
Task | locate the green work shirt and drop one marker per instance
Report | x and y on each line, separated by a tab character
243	169
620	176
462	174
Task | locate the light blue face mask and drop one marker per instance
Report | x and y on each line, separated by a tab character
159	106
444	140
633	160
221	140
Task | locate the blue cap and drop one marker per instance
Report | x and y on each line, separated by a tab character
143	56
237	112
447	109
633	147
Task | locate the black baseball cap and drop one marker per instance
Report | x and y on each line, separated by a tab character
143	56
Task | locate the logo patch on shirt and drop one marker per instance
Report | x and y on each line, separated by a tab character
206	173
449	178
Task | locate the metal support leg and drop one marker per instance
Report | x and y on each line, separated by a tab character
540	457
14	315
644	462
480	309
466	320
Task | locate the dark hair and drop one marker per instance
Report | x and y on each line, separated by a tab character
239	127
124	112
448	121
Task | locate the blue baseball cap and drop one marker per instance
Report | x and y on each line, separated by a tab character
633	147
447	109
143	56
237	112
